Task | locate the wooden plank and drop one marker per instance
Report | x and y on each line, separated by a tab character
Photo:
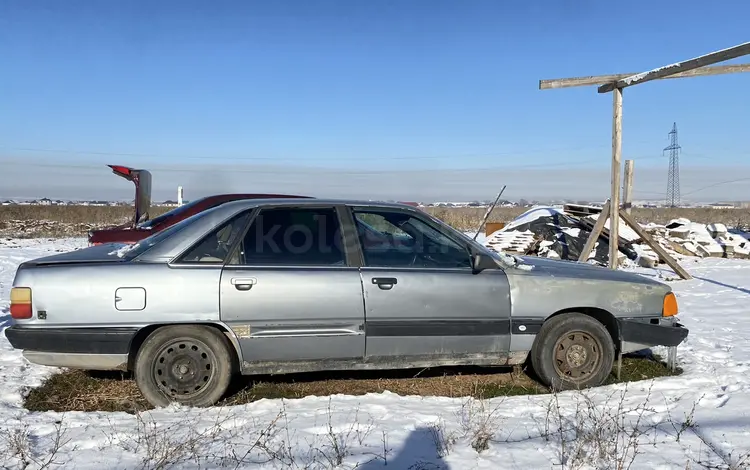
591	80
671	262
595	232
614	197
580	210
690	64
627	197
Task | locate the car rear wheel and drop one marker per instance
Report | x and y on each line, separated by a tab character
186	364
573	351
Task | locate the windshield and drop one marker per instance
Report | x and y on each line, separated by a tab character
167	215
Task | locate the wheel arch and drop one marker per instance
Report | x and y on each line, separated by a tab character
602	316
145	332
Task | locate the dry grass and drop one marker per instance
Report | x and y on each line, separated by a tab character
76	390
74	214
54	221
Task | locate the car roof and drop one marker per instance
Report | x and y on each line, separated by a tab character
255	196
276	201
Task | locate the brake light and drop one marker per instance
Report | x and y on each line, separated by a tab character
121	170
20	303
669	309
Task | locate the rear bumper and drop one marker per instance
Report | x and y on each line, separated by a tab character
76	348
71	340
642	332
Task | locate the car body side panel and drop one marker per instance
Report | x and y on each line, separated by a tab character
294	313
538	293
73	295
438	313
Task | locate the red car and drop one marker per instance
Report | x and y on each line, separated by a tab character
142	226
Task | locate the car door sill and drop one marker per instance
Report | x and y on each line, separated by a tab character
384	363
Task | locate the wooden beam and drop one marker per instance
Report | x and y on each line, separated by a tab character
627	196
602	79
671	262
684	66
595	233
614	197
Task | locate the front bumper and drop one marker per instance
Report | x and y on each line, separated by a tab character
643	332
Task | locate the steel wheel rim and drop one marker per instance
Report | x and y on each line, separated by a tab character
184	368
577	356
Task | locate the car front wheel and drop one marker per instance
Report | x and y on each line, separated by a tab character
187	364
573	351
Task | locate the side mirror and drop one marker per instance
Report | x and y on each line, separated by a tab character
480	262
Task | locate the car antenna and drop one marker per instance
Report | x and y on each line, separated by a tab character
489	210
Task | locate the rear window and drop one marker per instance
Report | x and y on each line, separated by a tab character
132	251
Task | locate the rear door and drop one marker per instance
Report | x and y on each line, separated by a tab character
290	292
423	303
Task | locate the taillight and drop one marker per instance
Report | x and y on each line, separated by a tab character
20	303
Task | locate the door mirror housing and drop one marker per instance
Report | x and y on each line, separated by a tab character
480	262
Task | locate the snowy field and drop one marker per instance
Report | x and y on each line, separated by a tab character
700	419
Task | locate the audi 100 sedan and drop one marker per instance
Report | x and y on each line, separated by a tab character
275	286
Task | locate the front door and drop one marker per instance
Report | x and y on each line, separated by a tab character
290	293
423	302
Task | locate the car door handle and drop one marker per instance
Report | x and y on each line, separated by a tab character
243	283
385	283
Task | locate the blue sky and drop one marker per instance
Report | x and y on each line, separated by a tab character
359	91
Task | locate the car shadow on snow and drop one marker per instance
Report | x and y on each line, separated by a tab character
5	319
729	286
418	452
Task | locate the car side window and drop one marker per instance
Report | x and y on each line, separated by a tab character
214	248
293	237
399	239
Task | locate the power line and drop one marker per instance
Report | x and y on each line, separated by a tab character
287	170
720	183
276	159
712	185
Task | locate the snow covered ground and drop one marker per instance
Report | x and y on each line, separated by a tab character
700	419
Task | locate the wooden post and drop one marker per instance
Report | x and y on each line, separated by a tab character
614	202
690	64
489	210
696	67
627	197
661	252
595	232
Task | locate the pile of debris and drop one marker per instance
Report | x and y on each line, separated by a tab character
562	233
693	239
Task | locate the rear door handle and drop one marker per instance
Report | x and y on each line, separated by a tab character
385	283
243	283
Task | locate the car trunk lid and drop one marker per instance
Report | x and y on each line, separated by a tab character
94	254
142	181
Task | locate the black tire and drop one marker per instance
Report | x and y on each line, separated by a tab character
186	364
572	351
